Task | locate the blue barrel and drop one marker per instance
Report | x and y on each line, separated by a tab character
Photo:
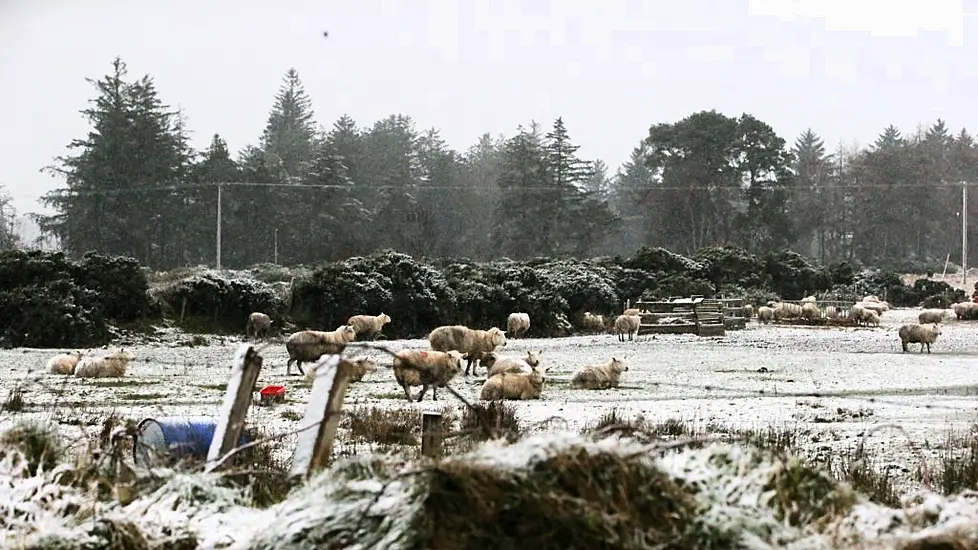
174	438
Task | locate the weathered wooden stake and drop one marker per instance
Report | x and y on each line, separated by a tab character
237	399
183	309
315	442
431	434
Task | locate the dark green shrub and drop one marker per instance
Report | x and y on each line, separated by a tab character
660	260
120	284
52	314
210	303
726	265
792	276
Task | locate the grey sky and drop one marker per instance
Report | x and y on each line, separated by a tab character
610	68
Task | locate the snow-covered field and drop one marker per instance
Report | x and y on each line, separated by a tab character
765	375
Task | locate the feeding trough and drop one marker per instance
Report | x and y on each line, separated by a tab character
173	438
271	394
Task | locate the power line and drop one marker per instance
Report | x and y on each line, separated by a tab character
293	186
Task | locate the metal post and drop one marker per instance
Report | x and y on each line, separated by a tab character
964	234
219	227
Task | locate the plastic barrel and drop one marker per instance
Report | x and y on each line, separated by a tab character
173	438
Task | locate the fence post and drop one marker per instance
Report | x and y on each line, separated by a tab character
237	399
431	435
318	426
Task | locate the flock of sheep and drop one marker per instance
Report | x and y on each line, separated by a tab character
508	377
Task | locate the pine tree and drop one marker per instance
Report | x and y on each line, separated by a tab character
119	196
8	219
289	136
519	225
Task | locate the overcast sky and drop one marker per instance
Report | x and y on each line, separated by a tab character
610	68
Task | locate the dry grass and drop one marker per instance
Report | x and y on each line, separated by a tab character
486	419
14	401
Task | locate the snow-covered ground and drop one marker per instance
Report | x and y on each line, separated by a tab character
836	386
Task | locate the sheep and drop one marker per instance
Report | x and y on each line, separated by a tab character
831	312
787	311
877	306
748	311
517	324
428	369
965	310
64	363
309	345
105	366
469	342
361	366
599	376
869	299
871	318
371	325
765	314
923	334
497	365
514	385
634	311
594	322
935	316
810	311
809	300
258	324
627	324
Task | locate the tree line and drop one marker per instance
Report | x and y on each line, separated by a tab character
135	187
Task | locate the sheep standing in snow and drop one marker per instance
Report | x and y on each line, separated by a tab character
428	369
784	310
369	325
965	310
498	365
808	300
627	324
105	366
64	363
924	334
258	324
469	342
517	324
361	366
765	314
599	376
748	311
863	316
877	306
931	316
307	346
514	385
594	322
634	311
810	311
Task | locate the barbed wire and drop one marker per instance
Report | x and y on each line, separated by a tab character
472	188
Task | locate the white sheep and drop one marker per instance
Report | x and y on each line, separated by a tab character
934	316
765	314
64	363
831	312
361	366
810	311
965	310
307	346
514	385
471	343
594	322
635	311
785	310
498	365
258	323
428	369
627	324
809	300
748	311
599	376
105	366
517	324
923	334
370	325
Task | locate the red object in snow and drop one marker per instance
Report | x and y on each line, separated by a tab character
272	394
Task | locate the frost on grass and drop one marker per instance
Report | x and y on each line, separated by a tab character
549	490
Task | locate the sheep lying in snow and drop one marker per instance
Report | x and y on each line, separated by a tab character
361	366
517	324
514	385
428	369
499	365
934	316
599	376
765	314
105	366
594	322
307	346
258	323
64	363
471	343
924	334
370	325
627	324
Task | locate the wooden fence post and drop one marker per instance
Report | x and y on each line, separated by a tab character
237	399
431	435
318	426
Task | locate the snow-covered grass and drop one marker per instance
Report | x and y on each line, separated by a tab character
832	388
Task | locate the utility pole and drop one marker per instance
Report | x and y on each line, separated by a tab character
275	261
964	234
219	227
